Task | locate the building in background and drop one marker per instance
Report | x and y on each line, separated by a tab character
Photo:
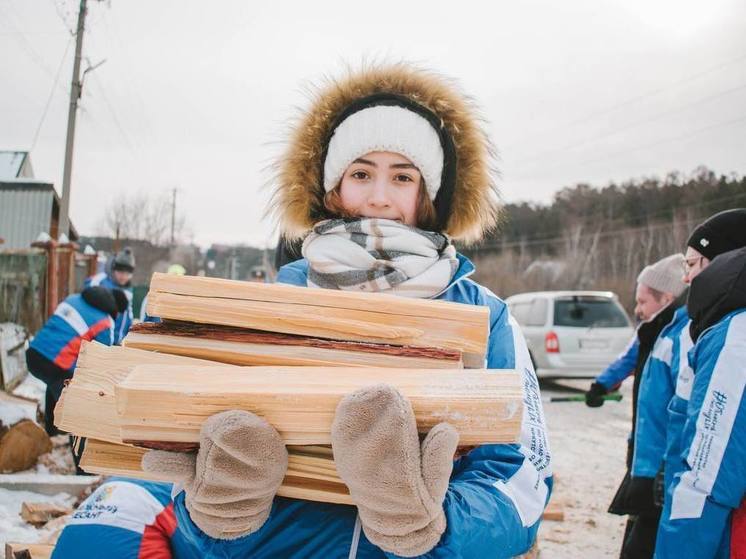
28	206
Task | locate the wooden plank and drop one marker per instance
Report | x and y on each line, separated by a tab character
168	404
554	511
39	514
340	315
290	294
14	550
87	407
239	346
303	480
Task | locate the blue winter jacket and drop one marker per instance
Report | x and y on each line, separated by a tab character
495	498
73	320
124	319
711	480
622	367
657	386
684	377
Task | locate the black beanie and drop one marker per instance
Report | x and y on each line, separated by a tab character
124	261
101	298
723	232
120	298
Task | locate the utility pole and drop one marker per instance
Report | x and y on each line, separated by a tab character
64	225
173	214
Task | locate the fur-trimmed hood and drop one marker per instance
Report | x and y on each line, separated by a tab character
297	198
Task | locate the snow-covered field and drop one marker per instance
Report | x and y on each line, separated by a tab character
588	452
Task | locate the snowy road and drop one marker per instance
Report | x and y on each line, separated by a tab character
588	452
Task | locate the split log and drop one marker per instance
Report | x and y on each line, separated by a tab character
554	511
28	550
324	313
87	407
311	473
22	440
165	406
38	514
240	346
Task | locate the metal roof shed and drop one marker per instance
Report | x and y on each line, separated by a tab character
28	207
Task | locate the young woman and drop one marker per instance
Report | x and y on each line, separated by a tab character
387	167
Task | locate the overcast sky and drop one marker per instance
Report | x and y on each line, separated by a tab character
194	95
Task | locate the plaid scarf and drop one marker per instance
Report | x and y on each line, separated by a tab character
369	254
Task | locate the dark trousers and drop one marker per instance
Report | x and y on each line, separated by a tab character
54	377
639	536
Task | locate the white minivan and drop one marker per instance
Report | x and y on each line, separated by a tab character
571	333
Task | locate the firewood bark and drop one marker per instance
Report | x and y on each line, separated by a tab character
241	346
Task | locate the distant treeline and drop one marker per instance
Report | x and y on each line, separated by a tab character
600	238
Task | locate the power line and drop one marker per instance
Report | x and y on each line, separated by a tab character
62	17
668	140
25	45
113	113
51	95
638	98
632	125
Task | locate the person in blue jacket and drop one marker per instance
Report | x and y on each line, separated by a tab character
385	169
657	296
118	276
709	484
53	352
668	377
720	233
657	286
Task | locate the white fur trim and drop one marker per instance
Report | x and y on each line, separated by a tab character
385	128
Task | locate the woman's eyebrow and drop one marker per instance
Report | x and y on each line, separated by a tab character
403	166
365	162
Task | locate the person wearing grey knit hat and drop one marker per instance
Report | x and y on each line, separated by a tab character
658	285
658	295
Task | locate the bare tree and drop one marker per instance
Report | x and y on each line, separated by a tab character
144	217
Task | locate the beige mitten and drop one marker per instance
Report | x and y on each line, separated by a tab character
397	484
231	481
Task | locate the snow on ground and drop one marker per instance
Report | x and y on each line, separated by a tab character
12	527
59	460
33	388
588	453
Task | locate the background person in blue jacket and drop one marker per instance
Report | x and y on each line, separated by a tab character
710	483
720	233
379	221
118	276
53	352
658	287
649	301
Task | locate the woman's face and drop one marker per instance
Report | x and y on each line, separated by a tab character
382	184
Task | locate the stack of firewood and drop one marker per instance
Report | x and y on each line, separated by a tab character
288	354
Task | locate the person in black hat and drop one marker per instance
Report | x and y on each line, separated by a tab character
118	275
723	232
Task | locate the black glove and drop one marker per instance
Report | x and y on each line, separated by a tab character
659	489
594	398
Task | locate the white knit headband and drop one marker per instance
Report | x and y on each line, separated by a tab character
385	128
